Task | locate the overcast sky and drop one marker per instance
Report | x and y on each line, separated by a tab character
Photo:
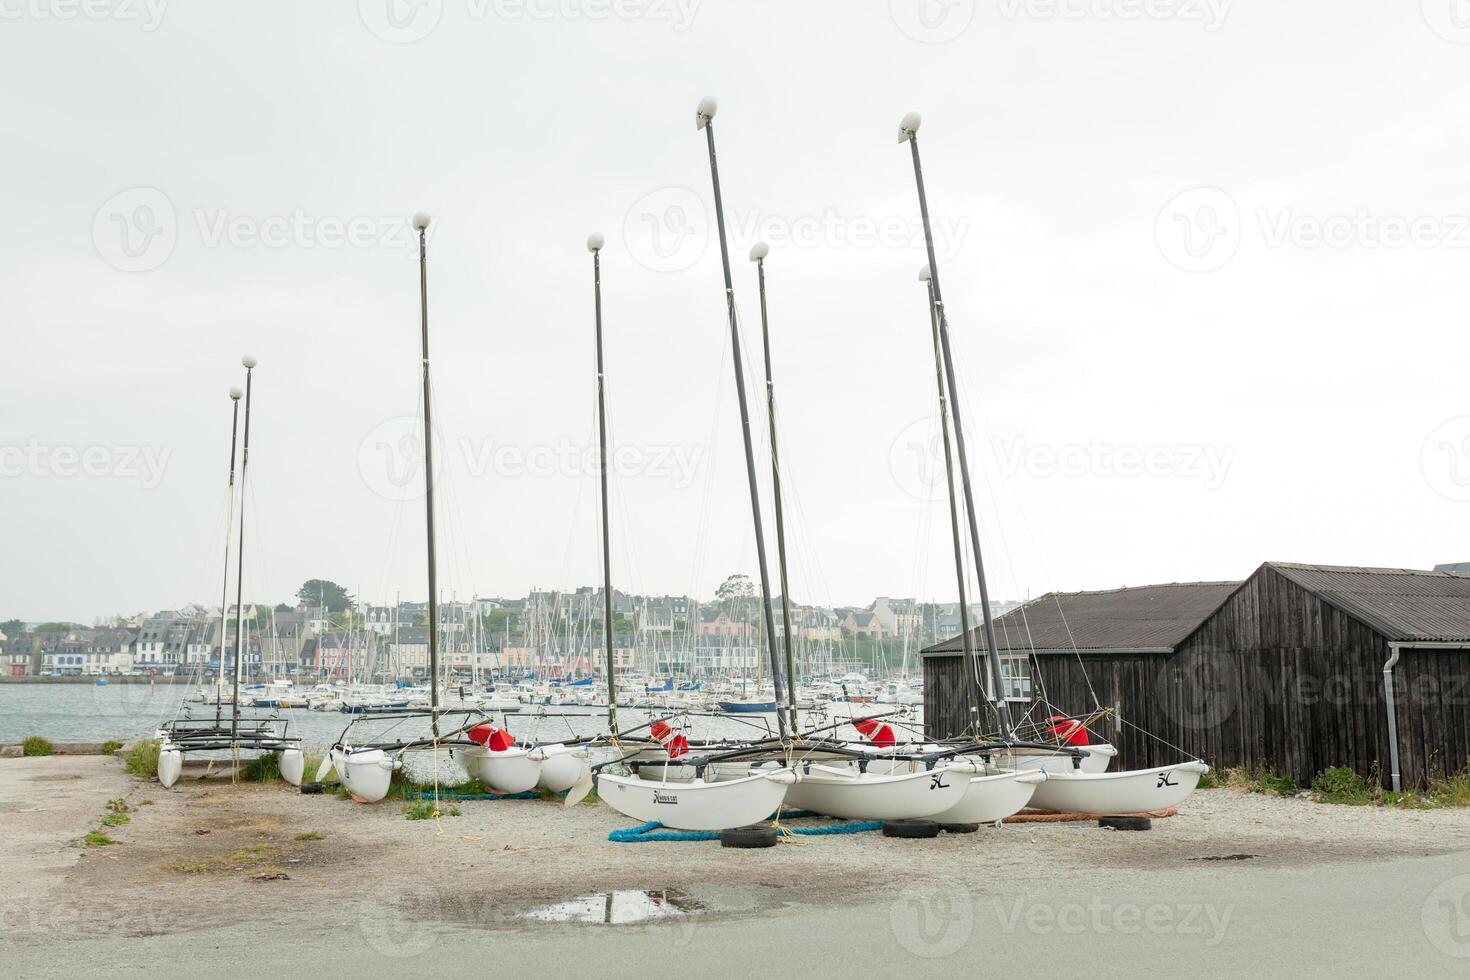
1205	262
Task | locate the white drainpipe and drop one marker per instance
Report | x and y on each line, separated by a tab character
1394	649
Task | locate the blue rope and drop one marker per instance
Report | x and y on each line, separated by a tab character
650	831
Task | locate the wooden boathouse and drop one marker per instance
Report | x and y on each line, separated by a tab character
1299	668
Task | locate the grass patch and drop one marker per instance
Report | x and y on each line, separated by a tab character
1275	783
1211	780
1342	786
310	835
425	810
1451	790
115	819
111	747
97	838
310	763
264	768
142	758
118	805
36	746
1271	782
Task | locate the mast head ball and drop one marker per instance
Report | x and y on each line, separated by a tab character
249	361
595	241
705	112
925	275
908	126
759	251
421	220
235	394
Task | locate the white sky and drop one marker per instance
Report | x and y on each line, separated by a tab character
1295	399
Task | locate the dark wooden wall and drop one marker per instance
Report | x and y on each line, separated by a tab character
1276	679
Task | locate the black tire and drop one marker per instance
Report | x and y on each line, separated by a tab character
959	828
311	788
757	835
910	829
1125	823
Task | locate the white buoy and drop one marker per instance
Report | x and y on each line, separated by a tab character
249	361
705	112
759	251
908	126
421	220
235	394
595	241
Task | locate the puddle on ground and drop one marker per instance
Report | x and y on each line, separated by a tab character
630	906
622	907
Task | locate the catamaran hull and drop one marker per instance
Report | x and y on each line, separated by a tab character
1097	759
992	798
511	771
366	774
292	765
1138	791
170	765
561	768
845	793
698	805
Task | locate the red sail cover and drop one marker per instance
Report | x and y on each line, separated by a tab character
1069	730
875	731
674	743
494	739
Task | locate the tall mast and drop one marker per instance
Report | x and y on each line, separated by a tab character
594	245
421	223
758	253
249	363
704	119
224	590
909	132
973	685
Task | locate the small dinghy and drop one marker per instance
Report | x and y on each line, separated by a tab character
1138	791
698	805
845	792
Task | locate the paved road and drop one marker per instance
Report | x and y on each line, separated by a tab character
1407	916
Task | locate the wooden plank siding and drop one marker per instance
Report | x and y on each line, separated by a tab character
1277	678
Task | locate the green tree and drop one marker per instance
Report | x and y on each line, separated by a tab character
324	592
12	627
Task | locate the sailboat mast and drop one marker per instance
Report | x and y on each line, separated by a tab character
909	132
249	363
594	245
973	685
758	254
704	119
421	223
224	591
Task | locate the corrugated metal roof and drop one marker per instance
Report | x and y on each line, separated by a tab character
1144	618
1404	604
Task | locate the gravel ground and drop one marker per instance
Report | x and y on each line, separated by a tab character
209	857
190	854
